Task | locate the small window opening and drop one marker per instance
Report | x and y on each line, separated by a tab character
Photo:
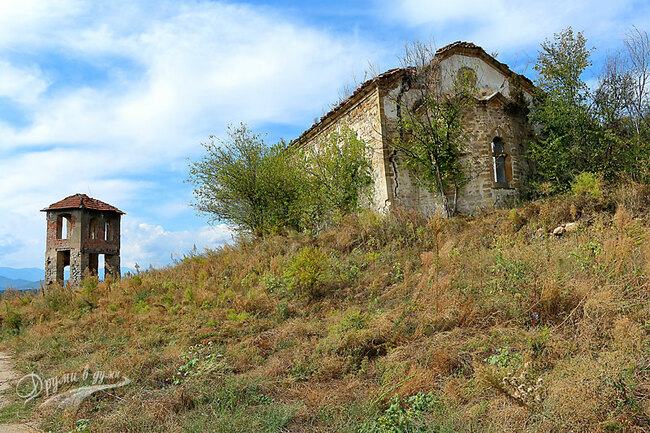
93	263
63	227
466	79
499	160
93	228
108	231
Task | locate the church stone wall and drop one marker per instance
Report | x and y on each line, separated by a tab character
375	116
486	119
363	116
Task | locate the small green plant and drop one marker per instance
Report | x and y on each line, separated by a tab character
586	255
141	307
404	416
274	284
283	310
588	185
82	425
12	319
302	371
510	275
354	320
503	358
198	359
398	271
234	316
189	297
517	219
168	299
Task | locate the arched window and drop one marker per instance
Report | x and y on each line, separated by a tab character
466	78
499	156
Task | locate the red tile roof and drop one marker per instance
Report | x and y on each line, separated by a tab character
82	201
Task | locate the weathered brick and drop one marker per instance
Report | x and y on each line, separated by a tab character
92	228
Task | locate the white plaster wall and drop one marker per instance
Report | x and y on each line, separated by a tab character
489	79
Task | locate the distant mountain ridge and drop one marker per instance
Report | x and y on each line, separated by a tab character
28	274
20	278
19	284
30	278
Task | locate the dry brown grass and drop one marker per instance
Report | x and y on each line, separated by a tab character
406	305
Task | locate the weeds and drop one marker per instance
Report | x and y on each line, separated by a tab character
461	317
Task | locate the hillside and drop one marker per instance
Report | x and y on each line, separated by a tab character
483	324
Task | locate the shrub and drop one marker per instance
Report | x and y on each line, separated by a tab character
263	190
588	185
337	175
308	271
141	307
243	181
12	319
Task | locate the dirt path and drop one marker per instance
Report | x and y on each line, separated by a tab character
8	376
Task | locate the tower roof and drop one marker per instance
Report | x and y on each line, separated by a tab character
82	201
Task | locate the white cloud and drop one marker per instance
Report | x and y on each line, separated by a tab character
146	244
151	80
22	85
513	24
32	21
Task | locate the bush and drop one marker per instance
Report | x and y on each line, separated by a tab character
12	319
337	176
264	189
308	271
588	185
247	183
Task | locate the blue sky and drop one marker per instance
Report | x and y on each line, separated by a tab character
111	98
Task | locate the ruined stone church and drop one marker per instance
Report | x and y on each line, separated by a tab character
496	136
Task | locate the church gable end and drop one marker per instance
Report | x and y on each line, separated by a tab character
495	135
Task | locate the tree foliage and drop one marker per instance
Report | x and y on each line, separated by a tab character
262	189
597	130
432	136
242	181
337	173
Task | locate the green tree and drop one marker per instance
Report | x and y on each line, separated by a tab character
338	174
261	189
602	131
432	137
244	182
566	143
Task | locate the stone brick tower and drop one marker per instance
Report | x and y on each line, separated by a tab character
79	230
